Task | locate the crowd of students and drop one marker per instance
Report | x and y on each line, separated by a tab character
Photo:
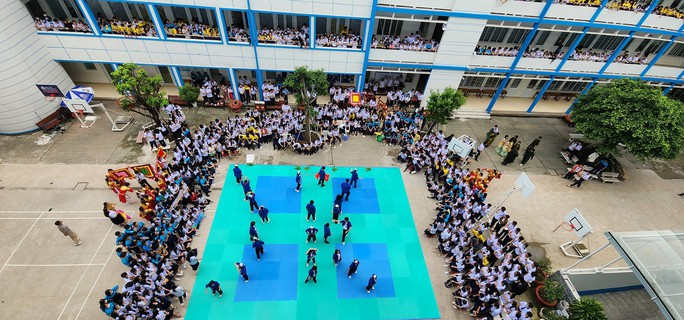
625	5
487	260
194	29
412	42
47	23
135	28
342	40
238	34
288	36
582	55
157	252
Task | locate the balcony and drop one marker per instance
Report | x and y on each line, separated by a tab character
518	8
402	56
579	66
424	4
625	69
488	61
286	59
664	72
656	21
355	8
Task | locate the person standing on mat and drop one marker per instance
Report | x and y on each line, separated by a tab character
253	232
310	211
321	177
258	246
336	214
311	256
215	287
238	174
326	232
337	257
338	200
346	227
313	272
253	205
311	234
263	214
298	180
371	283
354	177
242	269
245	186
352	268
346	188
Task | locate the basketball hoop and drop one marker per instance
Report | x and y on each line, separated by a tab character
51	97
565	226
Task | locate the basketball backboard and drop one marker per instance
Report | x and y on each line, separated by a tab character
580	226
78	105
525	184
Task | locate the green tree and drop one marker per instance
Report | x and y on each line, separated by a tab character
441	105
635	114
141	92
307	84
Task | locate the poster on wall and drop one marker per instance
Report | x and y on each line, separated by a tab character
50	90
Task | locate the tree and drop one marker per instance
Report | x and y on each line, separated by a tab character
307	84
441	105
635	114
141	92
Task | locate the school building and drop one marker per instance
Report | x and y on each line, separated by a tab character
530	56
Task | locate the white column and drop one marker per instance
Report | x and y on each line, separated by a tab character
28	63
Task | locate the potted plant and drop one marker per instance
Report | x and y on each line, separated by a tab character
189	94
543	270
549	293
547	314
587	309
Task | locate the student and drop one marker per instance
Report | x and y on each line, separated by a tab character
326	232
338	200
298	180
258	246
263	214
371	283
337	257
67	232
313	272
346	187
352	268
321	177
242	269
253	205
346	227
238	174
336	214
215	286
310	211
311	256
245	186
354	177
194	263
311	234
253	233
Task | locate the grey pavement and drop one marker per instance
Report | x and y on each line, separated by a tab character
66	174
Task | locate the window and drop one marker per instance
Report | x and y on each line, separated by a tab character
514	84
517	36
493	82
532	84
555	85
541	37
607	43
493	34
677	50
655	46
541	84
574	86
475	82
586	41
642	45
89	66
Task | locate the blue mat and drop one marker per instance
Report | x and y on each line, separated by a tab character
363	199
278	194
373	258
272	278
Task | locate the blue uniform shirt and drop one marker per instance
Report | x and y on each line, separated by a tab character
346	186
258	244
252	198
263	212
310	208
253	231
372	281
337	257
213	285
237	172
298	178
321	174
355	176
313	272
243	270
346	225
326	232
245	186
311	231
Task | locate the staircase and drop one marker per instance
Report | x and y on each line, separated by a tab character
471	114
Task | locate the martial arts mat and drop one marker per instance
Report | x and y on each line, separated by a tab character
383	238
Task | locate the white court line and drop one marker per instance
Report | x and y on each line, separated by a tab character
56	218
21	241
85	271
95	283
56	265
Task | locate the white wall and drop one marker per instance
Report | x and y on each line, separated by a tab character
440	79
79	74
282	59
26	62
349	8
458	41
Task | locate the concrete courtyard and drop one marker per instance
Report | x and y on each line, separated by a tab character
43	276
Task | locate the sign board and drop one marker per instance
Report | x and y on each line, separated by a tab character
461	145
526	185
355	99
580	226
50	90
